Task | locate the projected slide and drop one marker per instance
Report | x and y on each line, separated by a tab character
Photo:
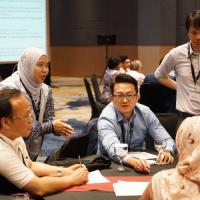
22	25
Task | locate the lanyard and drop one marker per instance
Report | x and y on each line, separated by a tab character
123	133
35	108
195	78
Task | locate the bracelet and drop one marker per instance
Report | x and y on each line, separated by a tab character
59	171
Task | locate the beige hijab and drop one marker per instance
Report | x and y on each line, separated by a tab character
183	182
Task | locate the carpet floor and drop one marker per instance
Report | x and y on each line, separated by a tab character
71	103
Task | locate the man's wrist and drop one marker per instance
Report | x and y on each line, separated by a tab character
166	151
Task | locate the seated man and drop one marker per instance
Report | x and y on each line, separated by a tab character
126	121
17	171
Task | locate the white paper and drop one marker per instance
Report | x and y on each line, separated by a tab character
143	155
124	188
151	162
96	177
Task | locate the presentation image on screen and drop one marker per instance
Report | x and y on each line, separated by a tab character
22	25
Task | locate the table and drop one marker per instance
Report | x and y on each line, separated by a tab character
103	195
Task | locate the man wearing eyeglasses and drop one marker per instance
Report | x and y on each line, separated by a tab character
124	120
17	172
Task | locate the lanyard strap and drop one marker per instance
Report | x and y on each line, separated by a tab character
35	108
123	133
195	78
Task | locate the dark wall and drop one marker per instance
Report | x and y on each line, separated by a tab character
156	24
183	8
78	22
134	22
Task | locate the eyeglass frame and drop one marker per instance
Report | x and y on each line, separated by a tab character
26	117
129	97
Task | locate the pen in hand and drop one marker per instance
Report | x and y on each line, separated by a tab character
79	158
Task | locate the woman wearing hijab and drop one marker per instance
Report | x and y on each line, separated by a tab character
32	69
183	181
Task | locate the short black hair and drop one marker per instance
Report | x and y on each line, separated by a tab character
6	94
124	78
123	58
113	62
193	19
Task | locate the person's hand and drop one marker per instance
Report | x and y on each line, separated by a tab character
79	176
71	169
164	157
139	165
61	127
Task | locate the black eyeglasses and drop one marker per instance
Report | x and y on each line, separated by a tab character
26	117
129	97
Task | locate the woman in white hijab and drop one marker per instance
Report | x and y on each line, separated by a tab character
182	182
32	69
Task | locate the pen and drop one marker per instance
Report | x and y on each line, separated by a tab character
79	158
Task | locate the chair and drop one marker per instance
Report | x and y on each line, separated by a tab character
96	106
97	91
92	132
169	122
158	98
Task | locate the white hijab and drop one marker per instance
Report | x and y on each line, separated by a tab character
26	66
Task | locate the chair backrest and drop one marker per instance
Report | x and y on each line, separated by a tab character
157	97
96	107
169	122
72	147
92	132
97	91
95	85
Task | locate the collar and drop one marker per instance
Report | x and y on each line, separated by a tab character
120	117
13	143
190	50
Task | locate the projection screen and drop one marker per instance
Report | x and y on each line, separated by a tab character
23	24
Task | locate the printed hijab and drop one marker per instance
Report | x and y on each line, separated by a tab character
183	181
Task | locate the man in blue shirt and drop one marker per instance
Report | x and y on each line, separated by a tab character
126	121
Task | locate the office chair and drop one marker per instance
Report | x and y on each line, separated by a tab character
158	98
92	132
96	107
97	91
169	122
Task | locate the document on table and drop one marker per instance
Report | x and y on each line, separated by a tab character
150	158
96	177
124	188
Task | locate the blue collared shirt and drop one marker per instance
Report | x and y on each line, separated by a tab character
143	122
